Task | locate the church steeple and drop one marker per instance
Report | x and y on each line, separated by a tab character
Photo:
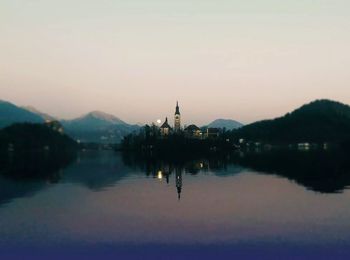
177	111
177	118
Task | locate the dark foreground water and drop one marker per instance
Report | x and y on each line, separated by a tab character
107	206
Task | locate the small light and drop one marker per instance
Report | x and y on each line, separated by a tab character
160	175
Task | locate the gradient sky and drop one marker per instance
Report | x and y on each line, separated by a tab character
240	59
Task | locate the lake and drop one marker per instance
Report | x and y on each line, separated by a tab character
105	204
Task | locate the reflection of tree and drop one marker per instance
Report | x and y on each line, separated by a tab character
23	174
322	171
35	165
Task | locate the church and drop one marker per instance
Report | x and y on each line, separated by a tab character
166	129
191	131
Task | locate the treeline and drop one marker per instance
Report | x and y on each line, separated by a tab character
34	137
149	139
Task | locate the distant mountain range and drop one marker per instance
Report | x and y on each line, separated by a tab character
228	124
96	126
318	121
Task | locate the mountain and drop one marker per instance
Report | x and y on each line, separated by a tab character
95	120
318	121
98	127
44	116
10	114
225	123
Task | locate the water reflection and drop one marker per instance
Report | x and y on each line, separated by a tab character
109	199
178	178
96	170
34	165
24	175
317	170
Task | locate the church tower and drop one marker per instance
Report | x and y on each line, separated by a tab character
177	119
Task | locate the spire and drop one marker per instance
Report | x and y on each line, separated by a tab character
177	112
166	124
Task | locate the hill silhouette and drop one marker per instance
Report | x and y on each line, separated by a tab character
228	124
318	121
28	137
10	114
43	115
98	127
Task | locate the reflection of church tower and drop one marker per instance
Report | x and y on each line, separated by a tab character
178	179
177	120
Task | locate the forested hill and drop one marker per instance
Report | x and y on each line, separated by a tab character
318	121
29	137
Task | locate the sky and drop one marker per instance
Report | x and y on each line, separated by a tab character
240	59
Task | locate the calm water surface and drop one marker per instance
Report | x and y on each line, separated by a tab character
105	205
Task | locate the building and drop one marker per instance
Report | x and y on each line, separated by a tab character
193	131
177	118
165	129
212	133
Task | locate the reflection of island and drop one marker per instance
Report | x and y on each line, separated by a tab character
180	166
166	172
317	170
